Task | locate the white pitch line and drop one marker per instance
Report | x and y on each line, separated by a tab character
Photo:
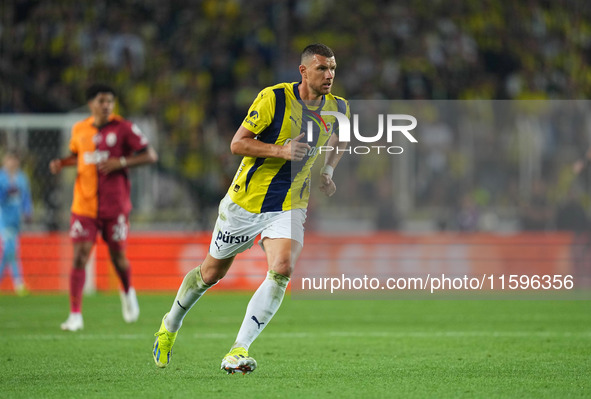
304	335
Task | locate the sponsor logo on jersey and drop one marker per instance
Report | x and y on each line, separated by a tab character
94	157
251	123
254	115
228	238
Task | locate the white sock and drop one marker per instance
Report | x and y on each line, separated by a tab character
189	293
262	307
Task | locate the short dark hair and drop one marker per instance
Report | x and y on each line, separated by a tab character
317	49
97	88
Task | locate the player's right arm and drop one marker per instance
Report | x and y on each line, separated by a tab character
260	115
56	165
245	143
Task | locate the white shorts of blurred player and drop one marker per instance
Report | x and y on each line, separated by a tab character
236	229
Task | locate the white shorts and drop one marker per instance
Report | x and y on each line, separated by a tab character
236	229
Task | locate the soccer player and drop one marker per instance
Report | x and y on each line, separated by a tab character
103	147
15	202
268	196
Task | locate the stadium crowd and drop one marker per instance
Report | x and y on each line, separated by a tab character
196	66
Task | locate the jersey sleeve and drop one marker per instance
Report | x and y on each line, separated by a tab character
343	108
260	113
134	138
73	147
348	113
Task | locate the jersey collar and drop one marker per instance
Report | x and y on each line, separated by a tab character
296	92
109	121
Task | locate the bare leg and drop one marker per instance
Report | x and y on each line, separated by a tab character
122	268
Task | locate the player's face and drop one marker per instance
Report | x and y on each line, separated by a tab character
10	163
102	107
319	74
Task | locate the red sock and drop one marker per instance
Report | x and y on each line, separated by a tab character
77	279
125	277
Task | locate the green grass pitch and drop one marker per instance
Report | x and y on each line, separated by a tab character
312	349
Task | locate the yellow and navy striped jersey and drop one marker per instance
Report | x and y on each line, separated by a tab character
276	116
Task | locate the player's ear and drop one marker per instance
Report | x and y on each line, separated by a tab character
302	70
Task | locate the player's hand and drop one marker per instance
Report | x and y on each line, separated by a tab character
55	166
109	165
327	186
578	166
296	150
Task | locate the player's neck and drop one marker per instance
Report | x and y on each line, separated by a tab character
99	121
308	95
11	173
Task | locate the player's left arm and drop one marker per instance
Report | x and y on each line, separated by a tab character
143	153
331	160
26	201
144	156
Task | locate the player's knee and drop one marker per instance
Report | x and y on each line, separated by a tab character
119	260
213	270
282	266
80	261
211	275
81	255
9	248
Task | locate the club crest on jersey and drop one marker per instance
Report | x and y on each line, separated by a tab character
111	139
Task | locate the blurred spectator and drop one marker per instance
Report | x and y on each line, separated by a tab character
467	215
194	67
15	204
537	212
571	216
387	216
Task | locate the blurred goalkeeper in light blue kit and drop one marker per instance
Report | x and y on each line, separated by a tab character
268	196
15	202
